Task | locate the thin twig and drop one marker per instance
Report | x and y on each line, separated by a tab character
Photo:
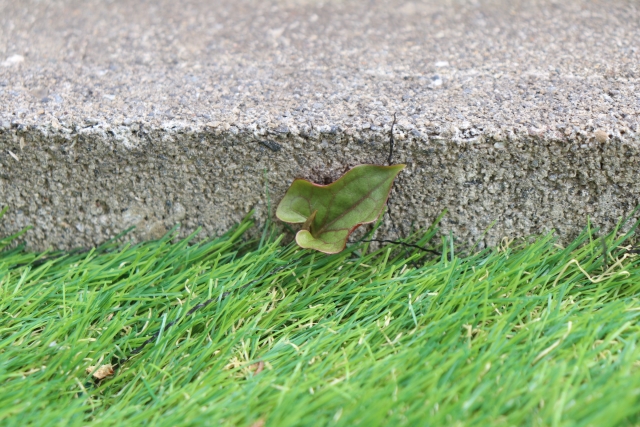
409	245
393	185
391	140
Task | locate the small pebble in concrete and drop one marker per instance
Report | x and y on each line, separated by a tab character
601	136
12	60
271	145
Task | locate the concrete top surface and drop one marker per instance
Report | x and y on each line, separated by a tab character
466	69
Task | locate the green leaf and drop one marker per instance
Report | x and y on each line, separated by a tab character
331	212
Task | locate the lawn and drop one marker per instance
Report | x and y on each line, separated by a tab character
243	332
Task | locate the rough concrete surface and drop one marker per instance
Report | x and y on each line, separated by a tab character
148	113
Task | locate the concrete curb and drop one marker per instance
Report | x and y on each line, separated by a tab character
506	113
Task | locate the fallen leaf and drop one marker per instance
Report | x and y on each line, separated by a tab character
102	372
331	212
259	423
257	367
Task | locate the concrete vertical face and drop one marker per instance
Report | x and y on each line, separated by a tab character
115	114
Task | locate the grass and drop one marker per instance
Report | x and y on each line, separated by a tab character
524	334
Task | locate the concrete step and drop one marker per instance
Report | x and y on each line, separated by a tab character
119	113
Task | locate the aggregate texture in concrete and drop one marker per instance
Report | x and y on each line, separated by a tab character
521	114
